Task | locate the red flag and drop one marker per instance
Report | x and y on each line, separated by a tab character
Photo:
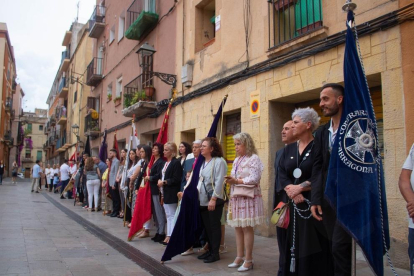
115	146
142	211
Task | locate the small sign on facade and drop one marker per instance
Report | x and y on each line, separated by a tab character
255	104
218	23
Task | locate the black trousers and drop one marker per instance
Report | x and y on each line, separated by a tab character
116	201
212	226
341	242
281	235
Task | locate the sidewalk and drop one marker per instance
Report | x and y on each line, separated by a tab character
66	244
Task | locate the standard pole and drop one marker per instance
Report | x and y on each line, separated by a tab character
353	273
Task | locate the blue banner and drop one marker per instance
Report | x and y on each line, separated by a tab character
355	185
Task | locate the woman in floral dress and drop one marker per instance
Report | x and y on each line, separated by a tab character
245	212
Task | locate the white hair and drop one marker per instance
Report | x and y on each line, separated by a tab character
198	142
307	115
247	141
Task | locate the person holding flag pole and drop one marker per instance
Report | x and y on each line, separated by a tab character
348	190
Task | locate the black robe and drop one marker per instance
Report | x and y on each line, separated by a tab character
312	251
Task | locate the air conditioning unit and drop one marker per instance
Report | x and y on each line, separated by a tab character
187	75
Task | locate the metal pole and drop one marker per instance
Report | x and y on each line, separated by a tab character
353	271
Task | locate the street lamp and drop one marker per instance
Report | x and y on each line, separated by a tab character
75	130
145	54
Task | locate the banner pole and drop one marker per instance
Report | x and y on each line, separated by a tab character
353	271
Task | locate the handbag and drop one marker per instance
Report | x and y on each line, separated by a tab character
243	190
281	215
219	201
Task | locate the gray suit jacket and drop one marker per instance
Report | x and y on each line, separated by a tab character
113	171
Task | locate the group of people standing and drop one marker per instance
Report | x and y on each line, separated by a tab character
314	243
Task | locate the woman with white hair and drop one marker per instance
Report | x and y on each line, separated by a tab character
246	203
307	247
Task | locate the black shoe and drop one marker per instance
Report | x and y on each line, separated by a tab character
32	191
204	256
37	192
163	243
62	197
113	215
211	259
160	238
155	237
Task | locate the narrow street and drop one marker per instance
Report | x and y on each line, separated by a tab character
41	234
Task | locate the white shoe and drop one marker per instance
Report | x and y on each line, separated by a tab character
188	252
234	264
243	268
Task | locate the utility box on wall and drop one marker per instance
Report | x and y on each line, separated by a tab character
187	75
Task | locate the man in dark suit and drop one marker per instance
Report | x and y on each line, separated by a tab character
280	194
331	101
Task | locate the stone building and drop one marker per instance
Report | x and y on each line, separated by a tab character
16	126
7	89
34	139
122	82
281	53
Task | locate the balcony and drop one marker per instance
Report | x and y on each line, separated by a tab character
60	143
138	97
94	72
63	88
52	141
9	104
27	159
141	19
91	126
14	85
64	62
97	22
52	120
290	19
13	114
67	38
8	138
61	115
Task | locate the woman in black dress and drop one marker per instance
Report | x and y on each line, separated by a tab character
307	247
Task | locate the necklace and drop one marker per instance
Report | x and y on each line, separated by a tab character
238	164
297	173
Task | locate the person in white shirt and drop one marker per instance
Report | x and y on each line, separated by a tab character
73	167
64	178
406	184
49	176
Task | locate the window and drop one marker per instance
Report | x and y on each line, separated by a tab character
29	127
119	87
75	97
109	90
112	34
28	154
40	127
121	27
39	155
292	18
205	14
149	6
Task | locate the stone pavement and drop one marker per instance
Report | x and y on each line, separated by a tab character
37	238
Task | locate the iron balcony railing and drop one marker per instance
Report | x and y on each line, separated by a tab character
63	84
136	8
9	103
138	90
8	136
91	124
60	112
94	72
289	19
65	55
98	16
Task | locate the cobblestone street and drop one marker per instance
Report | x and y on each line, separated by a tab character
38	238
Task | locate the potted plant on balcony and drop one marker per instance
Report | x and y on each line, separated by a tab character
117	100
149	91
109	97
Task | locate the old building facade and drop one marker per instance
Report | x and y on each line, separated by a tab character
281	54
7	89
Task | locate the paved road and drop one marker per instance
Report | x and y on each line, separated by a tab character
43	235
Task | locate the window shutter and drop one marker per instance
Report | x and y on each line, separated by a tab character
91	102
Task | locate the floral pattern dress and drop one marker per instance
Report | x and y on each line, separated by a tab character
245	211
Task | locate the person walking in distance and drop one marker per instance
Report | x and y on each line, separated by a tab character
15	167
331	102
113	189
64	178
36	176
1	171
